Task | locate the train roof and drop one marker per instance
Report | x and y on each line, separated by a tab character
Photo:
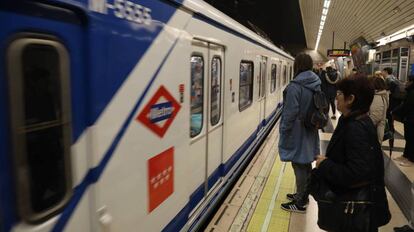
206	10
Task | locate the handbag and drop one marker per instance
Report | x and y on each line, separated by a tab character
341	212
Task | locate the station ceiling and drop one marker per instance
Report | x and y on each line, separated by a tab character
350	19
279	19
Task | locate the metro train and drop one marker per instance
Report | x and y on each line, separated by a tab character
128	115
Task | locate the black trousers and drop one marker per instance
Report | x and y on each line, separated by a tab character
332	102
409	140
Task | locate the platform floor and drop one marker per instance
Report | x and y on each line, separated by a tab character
254	203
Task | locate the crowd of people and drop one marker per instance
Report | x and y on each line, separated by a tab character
348	180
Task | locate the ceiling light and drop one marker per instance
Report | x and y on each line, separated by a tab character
324	15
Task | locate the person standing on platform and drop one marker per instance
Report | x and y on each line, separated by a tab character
331	78
390	80
405	112
298	144
379	106
353	168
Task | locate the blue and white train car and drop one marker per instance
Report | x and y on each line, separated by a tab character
122	115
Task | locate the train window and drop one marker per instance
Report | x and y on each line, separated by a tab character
245	85
290	73
263	74
215	90
40	119
197	95
285	81
273	78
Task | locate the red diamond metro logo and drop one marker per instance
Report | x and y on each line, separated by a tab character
160	112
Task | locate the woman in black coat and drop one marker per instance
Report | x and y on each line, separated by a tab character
353	167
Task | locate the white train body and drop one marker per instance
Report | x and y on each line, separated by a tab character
177	128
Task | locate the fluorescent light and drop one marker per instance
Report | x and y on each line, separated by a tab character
325	10
326	3
403	33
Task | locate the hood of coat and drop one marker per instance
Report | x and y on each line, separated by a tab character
309	79
382	93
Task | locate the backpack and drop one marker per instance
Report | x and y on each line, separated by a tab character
397	88
316	116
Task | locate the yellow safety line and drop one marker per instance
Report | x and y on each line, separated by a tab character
279	219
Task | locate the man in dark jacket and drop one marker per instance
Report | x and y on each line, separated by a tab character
405	112
331	78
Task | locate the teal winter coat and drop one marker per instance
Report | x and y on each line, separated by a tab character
297	143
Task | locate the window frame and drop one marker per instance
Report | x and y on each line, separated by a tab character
201	55
244	107
15	78
220	88
274	85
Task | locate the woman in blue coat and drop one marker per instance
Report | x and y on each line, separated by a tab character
298	144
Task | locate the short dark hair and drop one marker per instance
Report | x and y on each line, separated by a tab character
378	83
359	86
303	62
388	70
410	77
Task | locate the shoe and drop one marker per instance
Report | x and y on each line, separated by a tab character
293	207
405	228
399	158
406	163
333	117
291	196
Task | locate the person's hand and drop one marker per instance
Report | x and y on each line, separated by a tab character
320	159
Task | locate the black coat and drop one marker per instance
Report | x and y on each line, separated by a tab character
407	107
355	158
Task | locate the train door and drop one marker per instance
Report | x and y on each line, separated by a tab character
41	132
215	112
262	87
198	141
206	121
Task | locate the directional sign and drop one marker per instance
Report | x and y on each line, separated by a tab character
160	111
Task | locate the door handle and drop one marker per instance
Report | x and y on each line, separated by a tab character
105	219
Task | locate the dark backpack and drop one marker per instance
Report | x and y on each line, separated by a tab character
397	88
316	116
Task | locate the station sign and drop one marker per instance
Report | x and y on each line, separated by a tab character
160	112
338	52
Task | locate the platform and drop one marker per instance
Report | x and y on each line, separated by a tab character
254	203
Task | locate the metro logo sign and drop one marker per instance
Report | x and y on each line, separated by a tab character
160	178
160	112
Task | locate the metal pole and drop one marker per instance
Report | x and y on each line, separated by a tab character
333	39
344	45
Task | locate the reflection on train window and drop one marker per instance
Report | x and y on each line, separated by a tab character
245	85
285	81
197	95
215	90
41	126
273	78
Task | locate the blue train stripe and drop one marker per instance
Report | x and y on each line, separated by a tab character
95	173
